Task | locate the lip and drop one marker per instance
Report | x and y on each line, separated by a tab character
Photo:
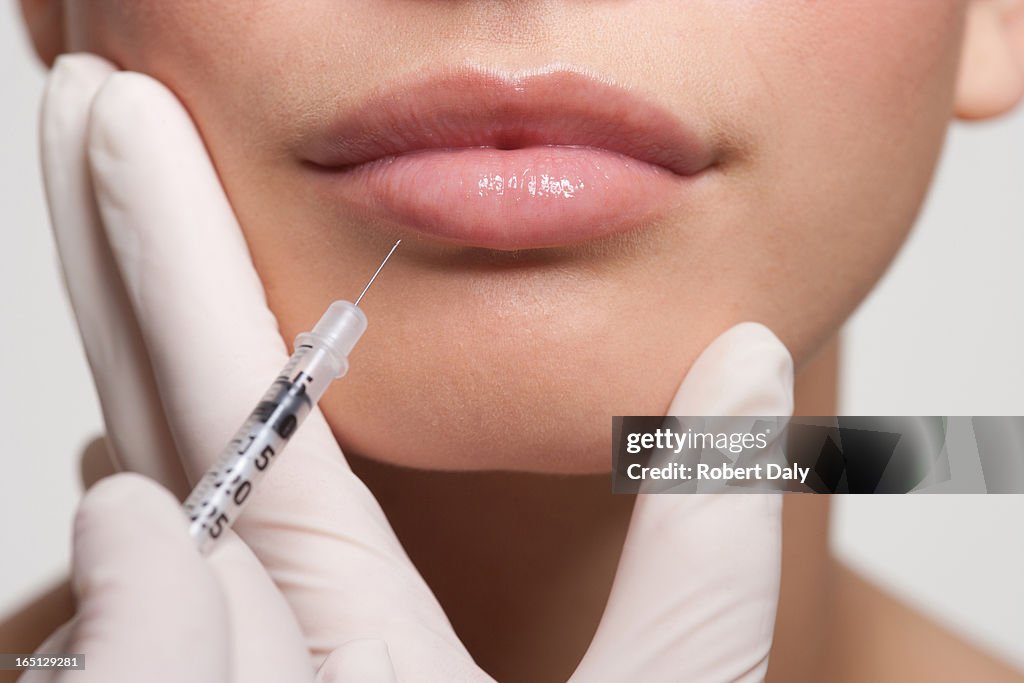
478	159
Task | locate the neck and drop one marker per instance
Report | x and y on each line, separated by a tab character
518	561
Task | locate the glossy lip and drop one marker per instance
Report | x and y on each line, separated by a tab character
478	159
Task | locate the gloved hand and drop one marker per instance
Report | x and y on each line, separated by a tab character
162	286
151	608
697	585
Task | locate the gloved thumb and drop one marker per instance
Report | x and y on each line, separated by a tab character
138	579
746	371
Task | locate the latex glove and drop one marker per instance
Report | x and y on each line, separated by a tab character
697	586
151	608
164	293
172	321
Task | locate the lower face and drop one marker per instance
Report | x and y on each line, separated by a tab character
492	348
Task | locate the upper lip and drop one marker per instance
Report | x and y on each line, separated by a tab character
474	108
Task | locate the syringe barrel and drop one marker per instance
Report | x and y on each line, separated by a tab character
320	357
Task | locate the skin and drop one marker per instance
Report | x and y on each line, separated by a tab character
828	121
829	618
830	117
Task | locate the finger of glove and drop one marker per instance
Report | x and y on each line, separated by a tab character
695	594
214	346
260	619
366	660
146	204
138	433
149	606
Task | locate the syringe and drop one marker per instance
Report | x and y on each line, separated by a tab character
320	357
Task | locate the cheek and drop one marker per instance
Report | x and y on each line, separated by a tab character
209	54
852	107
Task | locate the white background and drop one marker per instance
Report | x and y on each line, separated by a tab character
942	335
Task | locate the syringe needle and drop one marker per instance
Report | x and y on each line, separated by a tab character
379	268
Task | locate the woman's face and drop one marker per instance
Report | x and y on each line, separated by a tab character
771	158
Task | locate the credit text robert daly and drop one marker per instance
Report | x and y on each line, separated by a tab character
732	443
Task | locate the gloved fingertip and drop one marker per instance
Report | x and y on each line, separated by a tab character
129	488
77	66
120	517
746	371
70	87
366	660
126	99
139	579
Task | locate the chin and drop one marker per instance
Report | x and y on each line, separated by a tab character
511	407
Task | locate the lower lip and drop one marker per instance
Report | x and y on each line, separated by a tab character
510	199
